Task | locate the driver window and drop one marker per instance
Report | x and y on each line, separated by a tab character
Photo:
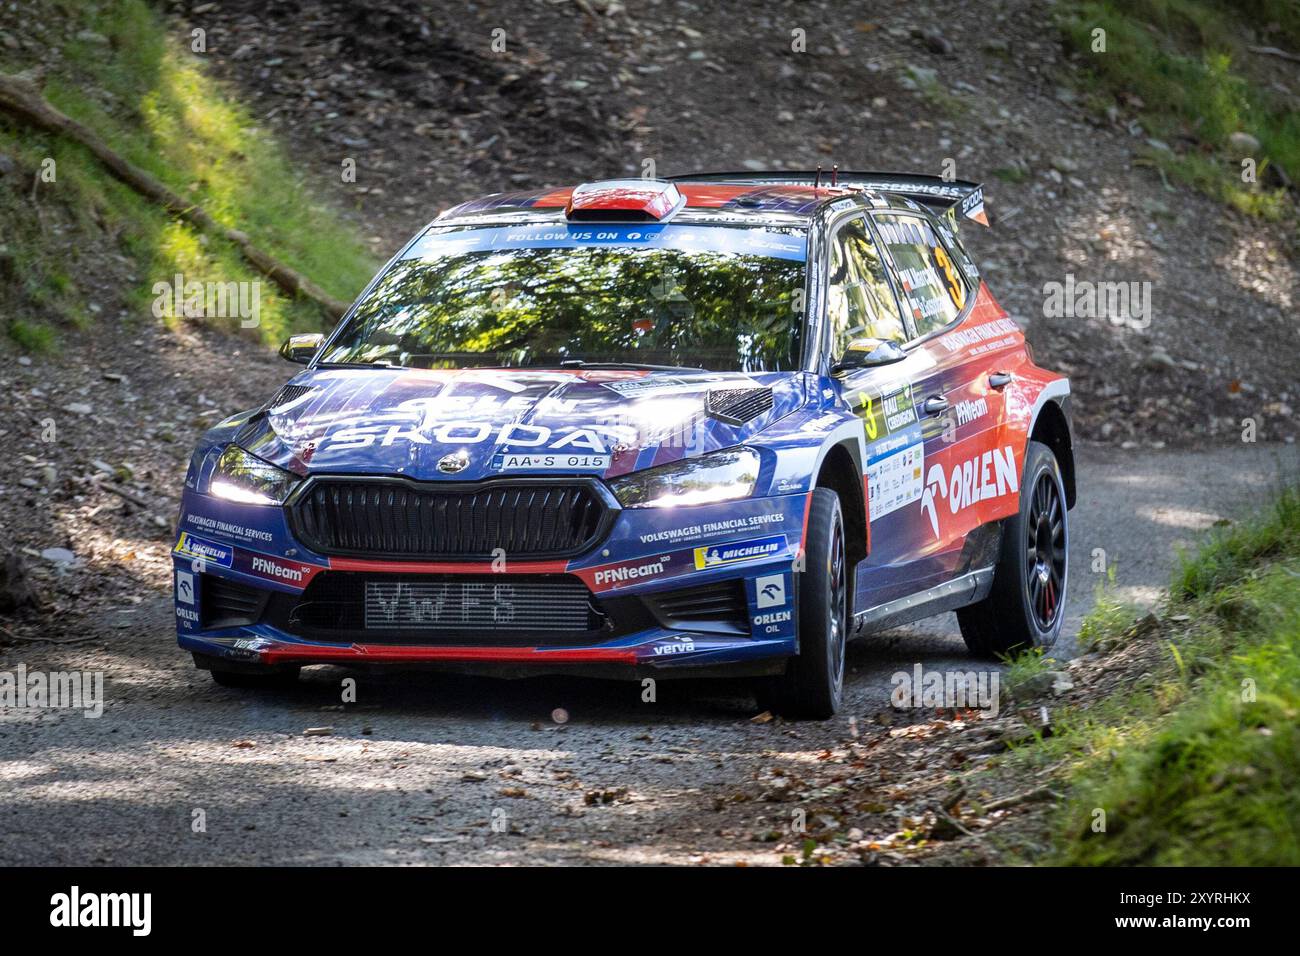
859	301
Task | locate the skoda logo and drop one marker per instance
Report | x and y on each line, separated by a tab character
456	461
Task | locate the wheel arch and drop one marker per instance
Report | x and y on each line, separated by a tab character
1052	428
841	471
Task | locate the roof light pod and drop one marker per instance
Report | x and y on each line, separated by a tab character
624	200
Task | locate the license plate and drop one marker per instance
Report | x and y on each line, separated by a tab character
473	604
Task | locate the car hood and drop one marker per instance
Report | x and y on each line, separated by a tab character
464	425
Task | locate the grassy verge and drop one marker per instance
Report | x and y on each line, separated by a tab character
149	97
1197	761
1185	68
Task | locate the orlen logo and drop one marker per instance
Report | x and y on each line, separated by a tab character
628	572
990	475
276	570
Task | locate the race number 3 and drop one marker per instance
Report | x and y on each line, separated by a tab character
955	288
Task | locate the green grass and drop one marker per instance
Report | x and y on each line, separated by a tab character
1198	762
1186	61
937	96
1025	669
1011	174
32	337
1231	555
154	103
1107	625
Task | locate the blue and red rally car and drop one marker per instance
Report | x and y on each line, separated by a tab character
714	424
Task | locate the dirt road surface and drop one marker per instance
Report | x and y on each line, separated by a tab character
428	769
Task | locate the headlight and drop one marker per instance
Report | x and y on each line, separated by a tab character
242	477
722	476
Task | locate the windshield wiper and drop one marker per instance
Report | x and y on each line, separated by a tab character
582	363
358	365
565	363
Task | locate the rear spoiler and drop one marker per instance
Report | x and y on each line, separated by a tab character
956	197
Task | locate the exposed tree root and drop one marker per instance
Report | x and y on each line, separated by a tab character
20	98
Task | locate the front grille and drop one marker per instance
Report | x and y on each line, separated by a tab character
463	604
735	406
394	518
428	608
719	608
225	603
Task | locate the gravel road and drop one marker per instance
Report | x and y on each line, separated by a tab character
428	769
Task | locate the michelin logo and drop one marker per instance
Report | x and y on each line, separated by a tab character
204	550
717	555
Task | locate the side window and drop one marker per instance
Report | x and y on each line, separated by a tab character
931	282
859	301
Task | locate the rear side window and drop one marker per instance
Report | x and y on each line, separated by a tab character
860	303
932	285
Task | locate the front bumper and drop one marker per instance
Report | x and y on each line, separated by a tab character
681	591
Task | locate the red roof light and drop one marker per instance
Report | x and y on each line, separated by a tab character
623	200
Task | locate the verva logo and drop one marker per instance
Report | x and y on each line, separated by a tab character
990	475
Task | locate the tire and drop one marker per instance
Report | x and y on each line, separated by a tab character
225	675
1026	606
812	686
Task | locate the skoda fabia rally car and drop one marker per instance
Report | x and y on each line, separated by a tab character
711	425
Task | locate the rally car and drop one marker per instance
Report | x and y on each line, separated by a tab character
715	424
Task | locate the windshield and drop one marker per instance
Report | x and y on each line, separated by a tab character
721	298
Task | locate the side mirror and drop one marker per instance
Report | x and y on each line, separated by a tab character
302	348
869	353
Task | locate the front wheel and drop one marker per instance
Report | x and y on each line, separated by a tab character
813	683
249	677
1026	606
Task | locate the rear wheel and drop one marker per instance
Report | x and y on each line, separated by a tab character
1027	603
813	683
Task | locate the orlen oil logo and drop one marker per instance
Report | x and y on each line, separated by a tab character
990	475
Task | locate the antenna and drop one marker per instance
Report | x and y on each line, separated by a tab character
835	174
817	180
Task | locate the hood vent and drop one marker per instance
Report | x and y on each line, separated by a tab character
736	406
290	393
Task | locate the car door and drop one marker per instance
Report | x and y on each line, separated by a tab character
861	304
959	406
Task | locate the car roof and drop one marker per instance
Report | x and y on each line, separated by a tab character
787	197
740	198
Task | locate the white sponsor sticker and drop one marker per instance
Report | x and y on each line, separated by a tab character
553	462
185	587
771	590
894	475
